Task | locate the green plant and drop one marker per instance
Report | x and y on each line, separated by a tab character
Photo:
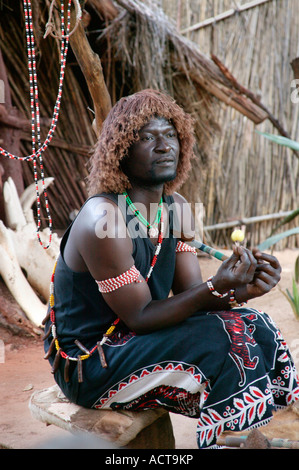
293	297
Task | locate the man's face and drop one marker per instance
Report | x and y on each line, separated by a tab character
153	159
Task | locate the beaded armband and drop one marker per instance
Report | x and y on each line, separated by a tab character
183	247
212	289
114	283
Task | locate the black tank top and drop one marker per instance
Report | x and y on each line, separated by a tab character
80	309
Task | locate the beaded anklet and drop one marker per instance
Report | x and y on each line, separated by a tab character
87	353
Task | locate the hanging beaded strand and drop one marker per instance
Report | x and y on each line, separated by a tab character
152	228
35	116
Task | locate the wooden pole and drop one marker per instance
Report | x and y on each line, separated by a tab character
10	140
247	221
224	15
92	70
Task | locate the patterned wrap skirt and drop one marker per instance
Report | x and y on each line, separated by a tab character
228	369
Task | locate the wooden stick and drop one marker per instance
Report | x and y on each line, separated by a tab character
208	249
237	441
224	15
199	245
247	221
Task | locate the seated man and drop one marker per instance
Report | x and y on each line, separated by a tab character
114	336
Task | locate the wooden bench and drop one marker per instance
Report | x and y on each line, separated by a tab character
148	429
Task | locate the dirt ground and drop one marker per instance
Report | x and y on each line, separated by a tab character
23	370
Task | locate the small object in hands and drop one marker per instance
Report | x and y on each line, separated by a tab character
238	236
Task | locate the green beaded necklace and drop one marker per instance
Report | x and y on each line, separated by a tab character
153	230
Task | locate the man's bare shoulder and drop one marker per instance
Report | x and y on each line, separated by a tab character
101	217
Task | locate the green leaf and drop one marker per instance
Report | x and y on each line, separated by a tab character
296	294
292	144
276	238
297	270
286	220
289	296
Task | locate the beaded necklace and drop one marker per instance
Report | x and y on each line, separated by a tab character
34	105
152	228
87	353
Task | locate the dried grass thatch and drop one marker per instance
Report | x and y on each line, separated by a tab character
140	47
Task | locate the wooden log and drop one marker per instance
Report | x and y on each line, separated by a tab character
145	429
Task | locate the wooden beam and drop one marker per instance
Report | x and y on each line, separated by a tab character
231	98
255	100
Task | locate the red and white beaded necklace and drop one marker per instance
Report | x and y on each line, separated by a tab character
34	105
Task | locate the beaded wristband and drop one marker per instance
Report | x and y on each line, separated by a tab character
183	247
212	289
232	299
114	283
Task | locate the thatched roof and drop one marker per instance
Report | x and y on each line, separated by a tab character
139	47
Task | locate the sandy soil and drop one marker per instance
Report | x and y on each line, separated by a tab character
23	370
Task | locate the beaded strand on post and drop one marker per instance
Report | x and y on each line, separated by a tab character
34	105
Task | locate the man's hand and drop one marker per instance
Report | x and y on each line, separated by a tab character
238	270
266	276
253	273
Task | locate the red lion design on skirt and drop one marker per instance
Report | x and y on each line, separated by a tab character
241	336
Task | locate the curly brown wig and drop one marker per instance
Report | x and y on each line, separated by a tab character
120	130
